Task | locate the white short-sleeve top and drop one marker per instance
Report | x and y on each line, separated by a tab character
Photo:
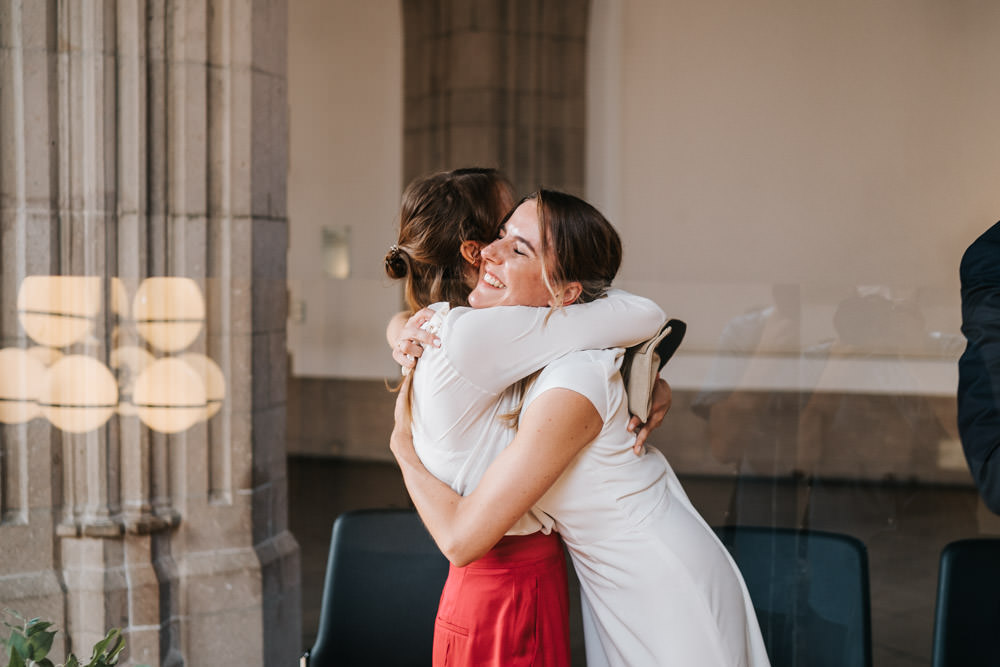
459	389
607	485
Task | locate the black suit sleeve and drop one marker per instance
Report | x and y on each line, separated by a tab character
979	366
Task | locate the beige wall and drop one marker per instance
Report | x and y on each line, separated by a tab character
822	145
345	92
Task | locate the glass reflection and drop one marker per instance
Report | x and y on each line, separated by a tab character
168	389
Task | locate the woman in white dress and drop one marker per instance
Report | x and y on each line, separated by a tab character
510	606
658	588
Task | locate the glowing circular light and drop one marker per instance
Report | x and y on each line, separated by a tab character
78	394
59	310
212	376
169	312
20	379
169	396
46	355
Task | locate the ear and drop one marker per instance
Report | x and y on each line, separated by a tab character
570	293
471	251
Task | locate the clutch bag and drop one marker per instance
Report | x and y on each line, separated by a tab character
643	362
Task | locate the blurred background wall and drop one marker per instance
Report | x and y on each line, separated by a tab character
796	180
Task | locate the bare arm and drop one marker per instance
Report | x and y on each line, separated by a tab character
396	325
554	428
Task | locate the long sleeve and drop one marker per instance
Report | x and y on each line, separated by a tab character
979	366
459	388
495	347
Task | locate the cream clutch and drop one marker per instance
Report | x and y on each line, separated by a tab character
642	365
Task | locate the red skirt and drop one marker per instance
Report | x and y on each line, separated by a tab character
510	608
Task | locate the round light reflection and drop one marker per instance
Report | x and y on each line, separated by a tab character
59	310
169	396
78	394
213	378
169	312
21	377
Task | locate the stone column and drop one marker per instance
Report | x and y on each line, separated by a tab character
30	452
143	140
496	83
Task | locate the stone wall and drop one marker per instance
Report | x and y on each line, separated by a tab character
846	437
143	140
496	83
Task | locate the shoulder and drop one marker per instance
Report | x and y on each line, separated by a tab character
983	256
587	372
584	364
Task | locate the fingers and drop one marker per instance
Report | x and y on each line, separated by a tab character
408	349
420	337
407	361
420	317
413	339
636	426
640	437
662	400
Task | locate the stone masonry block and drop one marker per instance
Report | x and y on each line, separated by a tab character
278	353
474	60
235	165
268	444
36	132
263	138
270	30
478	144
240	374
187	136
476	107
270	249
270	305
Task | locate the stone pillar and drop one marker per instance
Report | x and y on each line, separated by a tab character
31	479
143	140
496	83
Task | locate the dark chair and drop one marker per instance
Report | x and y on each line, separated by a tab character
380	596
810	592
967	618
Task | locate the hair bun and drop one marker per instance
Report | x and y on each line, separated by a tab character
395	263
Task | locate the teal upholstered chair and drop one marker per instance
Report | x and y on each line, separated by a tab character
810	591
967	618
383	581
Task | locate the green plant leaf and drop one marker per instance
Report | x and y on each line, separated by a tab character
17	643
15	660
40	643
72	661
35	626
106	651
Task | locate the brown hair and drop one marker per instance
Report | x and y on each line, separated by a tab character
439	212
577	244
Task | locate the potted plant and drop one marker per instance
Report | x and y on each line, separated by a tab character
30	641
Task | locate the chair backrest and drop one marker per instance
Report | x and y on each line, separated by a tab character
383	582
967	618
810	591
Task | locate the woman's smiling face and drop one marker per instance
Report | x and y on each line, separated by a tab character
511	270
